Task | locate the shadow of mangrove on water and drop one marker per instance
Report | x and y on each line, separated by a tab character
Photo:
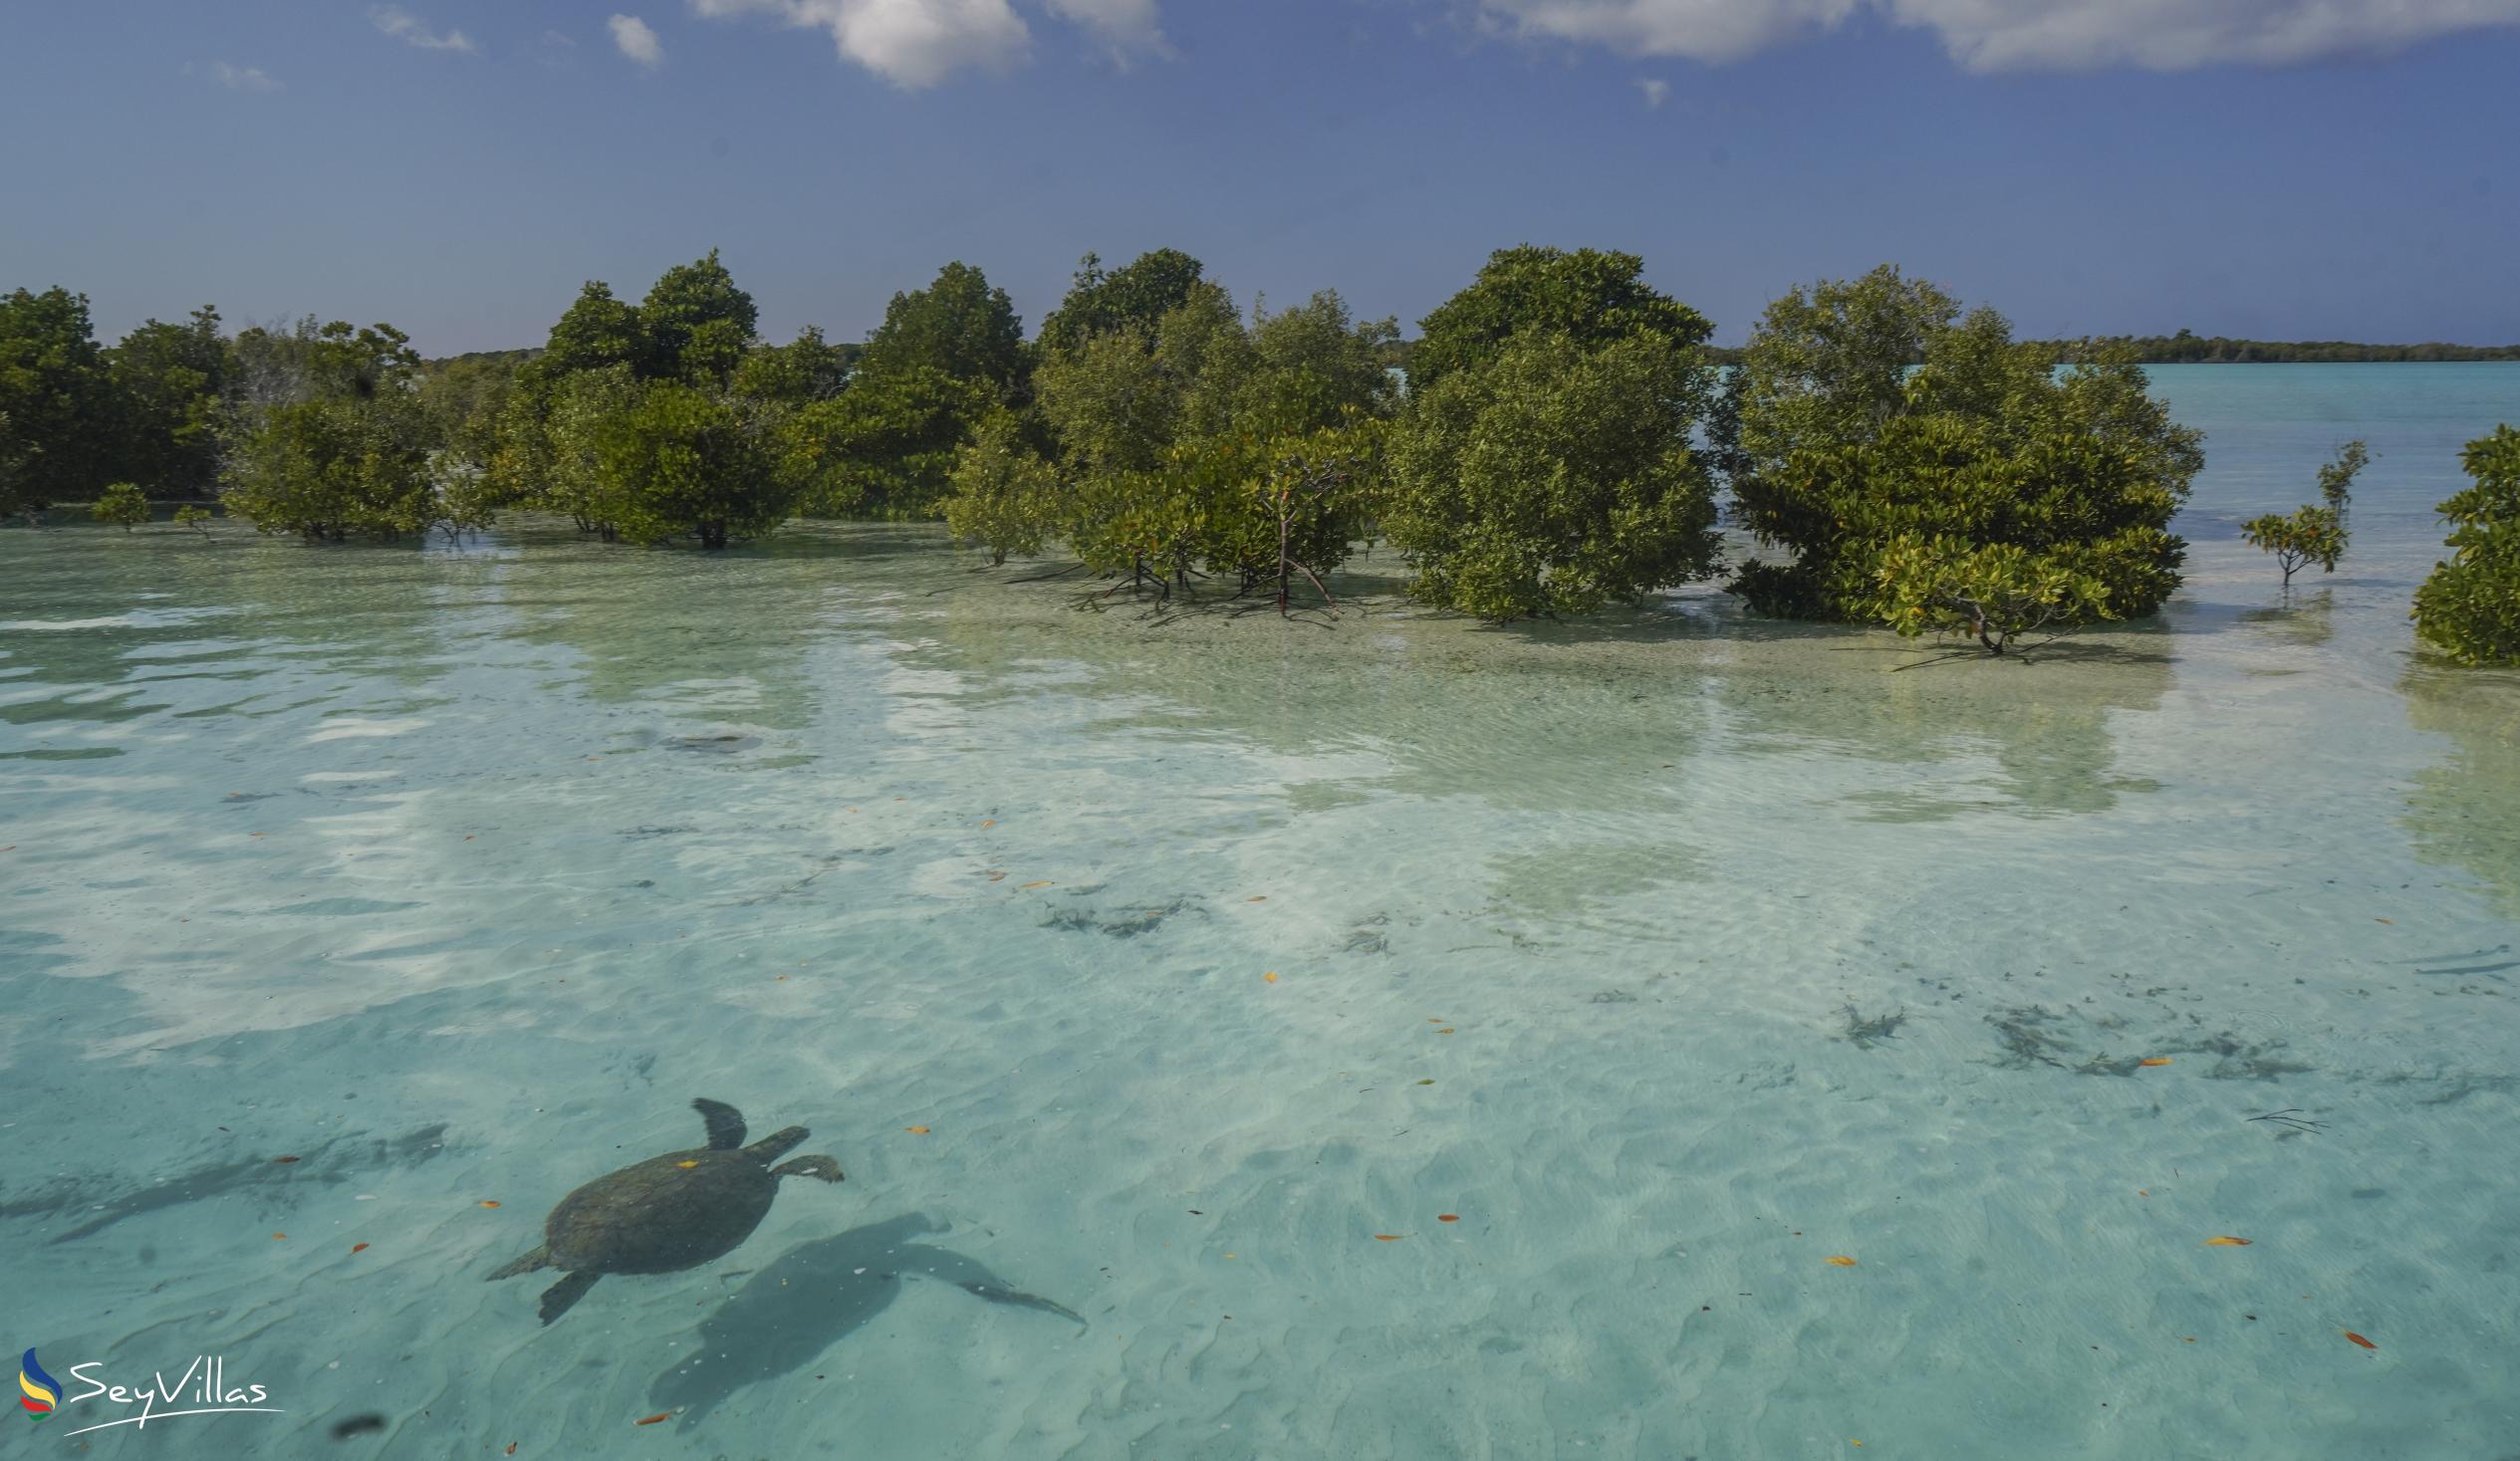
811	1298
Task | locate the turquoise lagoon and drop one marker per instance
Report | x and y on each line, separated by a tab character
1672	953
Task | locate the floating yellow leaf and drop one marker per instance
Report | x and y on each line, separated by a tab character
1028	887
486	1202
916	1130
1839	1260
985	826
279	1237
1272	978
2225	1241
2157	1060
686	1165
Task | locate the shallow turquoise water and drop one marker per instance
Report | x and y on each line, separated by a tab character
1673	953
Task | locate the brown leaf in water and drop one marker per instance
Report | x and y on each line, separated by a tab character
279	1237
284	1160
1389	1237
2391	923
1447	1029
2359	1339
2156	1061
1264	897
1839	1260
511	1448
2224	1240
1028	887
1447	1217
486	1202
357	1247
985	826
659	1417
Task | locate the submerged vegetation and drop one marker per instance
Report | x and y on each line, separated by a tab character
1559	438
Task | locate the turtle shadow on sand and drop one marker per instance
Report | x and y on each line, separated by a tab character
812	1297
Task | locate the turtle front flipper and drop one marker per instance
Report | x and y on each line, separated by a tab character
524	1263
725	1123
823	1167
559	1297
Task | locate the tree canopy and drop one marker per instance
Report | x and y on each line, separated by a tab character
1886	483
2470	609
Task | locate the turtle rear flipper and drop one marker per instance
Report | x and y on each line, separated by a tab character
524	1263
823	1167
725	1123
559	1297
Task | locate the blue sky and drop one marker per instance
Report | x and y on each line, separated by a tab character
2281	168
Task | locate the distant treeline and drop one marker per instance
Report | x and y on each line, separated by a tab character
2190	348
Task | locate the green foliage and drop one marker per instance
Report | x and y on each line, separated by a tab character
171	379
958	326
695	324
1296	502
886	446
1590	297
1134	296
1550	478
1842	449
2470	609
333	466
684	461
1207	440
1006	497
596	331
799	373
1997	592
2314	533
123	503
326	437
192	515
2335	478
57	411
2309	535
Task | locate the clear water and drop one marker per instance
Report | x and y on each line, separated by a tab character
1675	954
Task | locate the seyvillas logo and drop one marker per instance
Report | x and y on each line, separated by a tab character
202	1389
37	1391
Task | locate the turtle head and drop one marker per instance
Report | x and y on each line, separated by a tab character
776	1144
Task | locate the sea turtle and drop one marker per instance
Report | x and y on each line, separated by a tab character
668	1212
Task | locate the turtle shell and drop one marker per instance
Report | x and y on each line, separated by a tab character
667	1213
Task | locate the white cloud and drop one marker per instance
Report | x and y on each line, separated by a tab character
911	43
1656	92
410	30
636	41
1701	30
1129	27
919	43
2014	35
242	77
